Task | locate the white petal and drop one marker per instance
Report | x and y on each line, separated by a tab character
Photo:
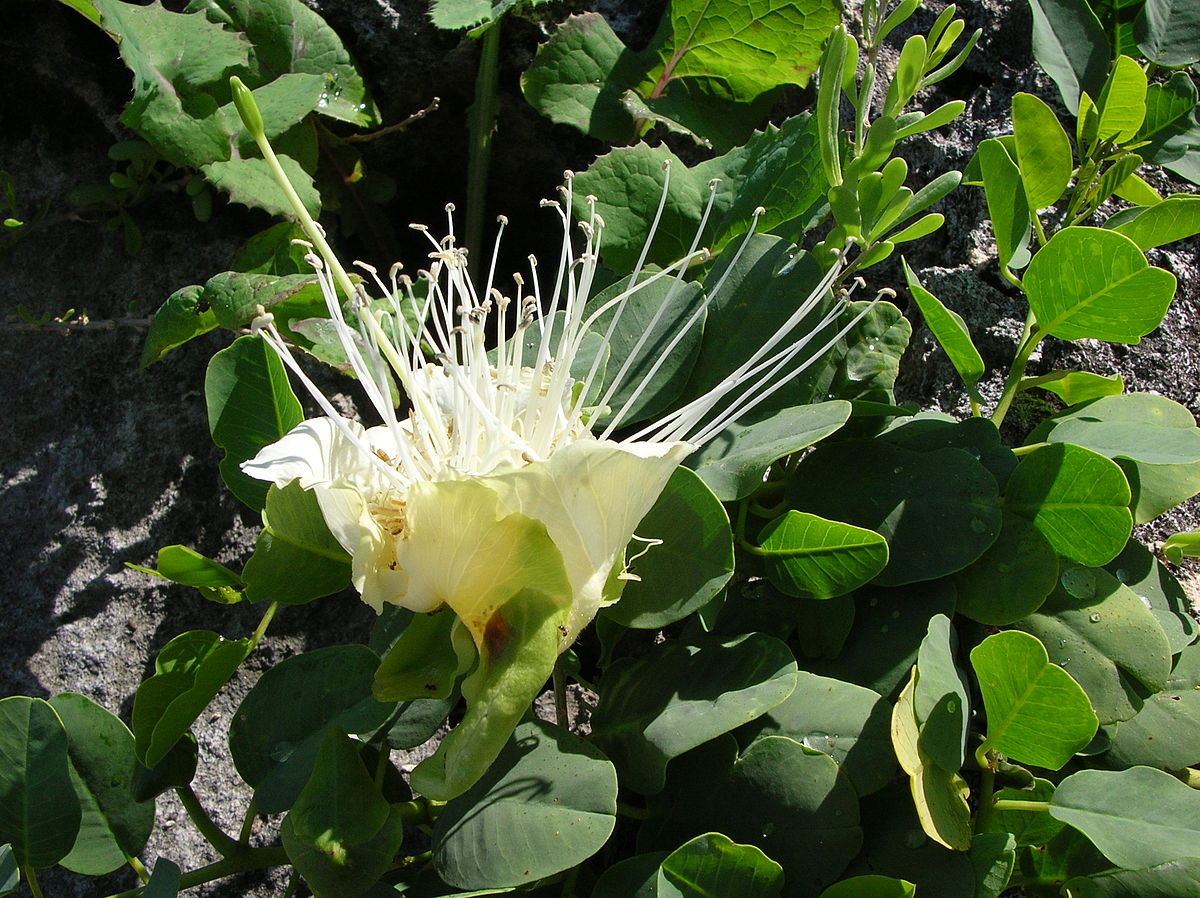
315	452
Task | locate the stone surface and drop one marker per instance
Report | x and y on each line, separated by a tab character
102	464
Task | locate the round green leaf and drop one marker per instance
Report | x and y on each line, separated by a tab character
713	864
1036	714
1166	731
102	762
1139	426
734	462
1011	579
280	724
1137	817
1168	880
1043	151
1079	500
870	886
1106	637
1091	283
680	696
188	673
693	563
808	556
10	874
792	802
941	701
1153	583
847	722
175	770
39	813
938	510
547	803
634	877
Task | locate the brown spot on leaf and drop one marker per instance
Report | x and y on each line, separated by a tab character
496	634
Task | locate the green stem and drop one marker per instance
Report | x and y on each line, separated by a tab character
1025	450
1016	804
246	859
987	789
560	694
31	877
293	883
208	828
482	127
631	811
1030	338
138	867
248	823
263	624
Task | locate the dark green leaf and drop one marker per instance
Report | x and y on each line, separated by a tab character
680	696
164	882
188	673
938	510
870	886
949	330
1008	208
941	701
102	765
847	722
39	813
181	318
1165	733
10	875
1138	817
249	181
250	405
279	726
693	563
1070	44
713	864
734	462
1011	579
296	558
1172	879
547	803
175	770
1157	587
993	856
341	835
1168	32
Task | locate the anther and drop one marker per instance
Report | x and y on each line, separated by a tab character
450	207
365	266
502	219
418	227
299	241
262	319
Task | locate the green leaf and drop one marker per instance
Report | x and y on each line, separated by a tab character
577	78
691	566
754	46
792	802
713	864
642	345
250	405
188	673
1007	207
889	625
185	566
1043	151
847	722
1076	387
164	881
422	661
249	181
547	803
288	37
1011	579
949	329
1179	546
939	795
341	835
182	317
1168	32
10	874
1175	218
1078	499
938	510
1036	714
941	702
278	728
634	877
706	110
680	696
1138	817
296	559
808	556
870	886
1093	283
1165	733
174	771
102	765
1154	440
993	856
1070	44
1107	637
1027	827
39	813
1154	584
734	462
930	431
1168	880
1122	103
